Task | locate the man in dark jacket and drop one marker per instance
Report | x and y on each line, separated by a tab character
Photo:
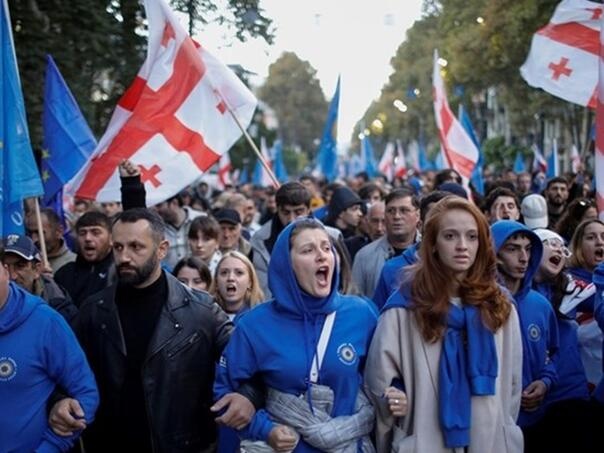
152	344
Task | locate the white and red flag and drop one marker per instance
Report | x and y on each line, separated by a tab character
413	156
563	59
173	121
539	161
599	153
400	164
575	159
224	171
386	165
460	152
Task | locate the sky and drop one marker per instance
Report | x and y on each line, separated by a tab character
354	38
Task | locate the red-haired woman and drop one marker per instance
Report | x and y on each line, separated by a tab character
444	370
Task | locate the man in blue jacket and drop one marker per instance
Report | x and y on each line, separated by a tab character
38	352
519	252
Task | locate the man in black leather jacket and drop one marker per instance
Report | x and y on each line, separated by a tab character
152	344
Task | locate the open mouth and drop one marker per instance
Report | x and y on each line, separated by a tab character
322	274
555	260
599	253
231	289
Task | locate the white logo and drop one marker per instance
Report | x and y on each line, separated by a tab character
347	354
534	332
8	369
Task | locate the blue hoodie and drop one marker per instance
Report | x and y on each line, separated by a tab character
278	339
389	277
538	322
38	351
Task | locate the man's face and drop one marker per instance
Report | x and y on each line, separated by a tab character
111	208
376	220
229	236
250	211
513	257
137	256
24	273
557	194
94	243
504	208
351	216
4	279
288	213
401	217
271	203
166	211
310	186
52	235
524	183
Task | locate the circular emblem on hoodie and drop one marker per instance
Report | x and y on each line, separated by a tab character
534	332
347	354
8	368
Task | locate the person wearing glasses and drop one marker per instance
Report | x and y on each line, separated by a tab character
402	221
567	405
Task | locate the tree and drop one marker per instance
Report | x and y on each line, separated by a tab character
293	91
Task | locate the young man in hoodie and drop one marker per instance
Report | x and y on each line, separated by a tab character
519	252
38	352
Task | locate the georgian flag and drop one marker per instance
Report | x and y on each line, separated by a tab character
400	166
563	59
386	165
173	121
224	171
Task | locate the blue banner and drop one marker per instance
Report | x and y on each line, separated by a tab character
328	155
278	164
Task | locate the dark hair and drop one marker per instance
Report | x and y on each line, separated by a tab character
496	193
52	216
572	217
308	177
93	218
426	202
368	189
292	193
206	225
557	179
197	264
401	193
156	223
444	175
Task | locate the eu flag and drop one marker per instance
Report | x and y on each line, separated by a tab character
328	156
19	176
68	141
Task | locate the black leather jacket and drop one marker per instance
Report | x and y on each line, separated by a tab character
178	372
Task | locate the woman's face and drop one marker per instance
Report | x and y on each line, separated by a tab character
190	277
592	245
553	259
457	241
233	282
313	261
203	247
590	213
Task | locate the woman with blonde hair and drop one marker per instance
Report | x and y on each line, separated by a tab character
444	370
235	285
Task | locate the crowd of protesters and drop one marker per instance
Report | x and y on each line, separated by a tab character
408	316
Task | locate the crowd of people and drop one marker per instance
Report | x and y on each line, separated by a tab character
355	316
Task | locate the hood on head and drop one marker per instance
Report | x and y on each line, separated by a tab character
502	230
284	285
19	306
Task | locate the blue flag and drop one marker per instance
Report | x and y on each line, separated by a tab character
328	156
368	157
552	162
519	166
466	122
278	164
19	176
424	162
244	177
68	141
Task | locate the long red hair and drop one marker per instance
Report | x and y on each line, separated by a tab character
432	283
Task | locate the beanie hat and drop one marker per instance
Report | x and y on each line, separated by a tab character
453	188
342	199
534	211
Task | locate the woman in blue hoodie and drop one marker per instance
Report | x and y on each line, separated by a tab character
308	345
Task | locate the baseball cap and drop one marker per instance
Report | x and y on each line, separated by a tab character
534	211
228	215
22	246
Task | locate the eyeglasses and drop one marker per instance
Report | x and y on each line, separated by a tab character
402	210
586	203
557	244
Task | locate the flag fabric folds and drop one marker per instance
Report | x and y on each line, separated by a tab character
599	152
68	141
261	176
575	159
328	155
224	170
466	122
552	162
368	157
174	121
519	166
539	162
19	176
563	58
460	152
400	164
278	164
386	164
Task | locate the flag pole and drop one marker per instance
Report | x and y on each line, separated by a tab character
41	240
255	148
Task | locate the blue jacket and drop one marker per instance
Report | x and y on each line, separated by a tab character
277	340
598	280
38	351
538	322
391	272
572	382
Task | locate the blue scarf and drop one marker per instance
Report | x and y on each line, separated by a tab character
464	370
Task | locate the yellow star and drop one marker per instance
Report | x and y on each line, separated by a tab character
45	175
45	154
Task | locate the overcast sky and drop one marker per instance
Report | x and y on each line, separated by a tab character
354	38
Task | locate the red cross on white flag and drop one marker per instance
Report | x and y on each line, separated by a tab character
460	152
599	154
173	120
563	59
224	171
